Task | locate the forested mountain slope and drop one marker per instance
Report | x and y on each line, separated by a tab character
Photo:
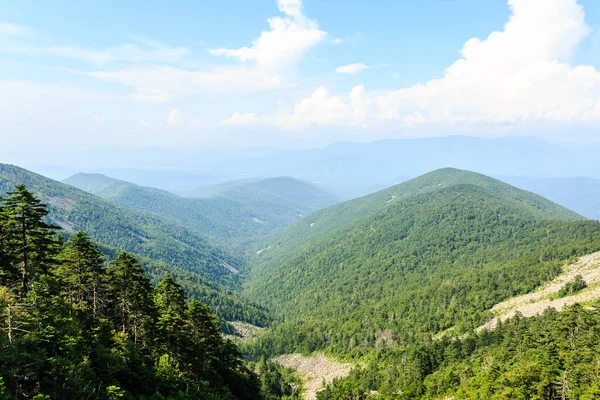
217	188
238	214
324	221
449	246
555	355
140	233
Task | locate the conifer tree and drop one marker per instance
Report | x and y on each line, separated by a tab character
80	268
130	293
8	271
31	237
169	300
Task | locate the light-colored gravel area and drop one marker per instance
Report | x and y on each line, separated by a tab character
313	370
244	332
535	303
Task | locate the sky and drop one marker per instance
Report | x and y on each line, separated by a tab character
81	75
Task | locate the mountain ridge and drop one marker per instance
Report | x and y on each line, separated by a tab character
323	221
239	214
113	225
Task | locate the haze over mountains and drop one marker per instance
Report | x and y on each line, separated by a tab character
348	170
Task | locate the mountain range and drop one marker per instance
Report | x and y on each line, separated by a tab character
393	281
237	215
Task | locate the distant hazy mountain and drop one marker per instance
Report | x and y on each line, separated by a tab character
212	190
346	169
237	215
578	194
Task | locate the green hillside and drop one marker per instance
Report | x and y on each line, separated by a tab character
143	234
324	221
393	270
430	262
212	190
551	356
235	216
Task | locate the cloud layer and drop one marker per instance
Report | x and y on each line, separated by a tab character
518	75
265	64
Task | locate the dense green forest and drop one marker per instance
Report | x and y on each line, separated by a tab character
322	222
432	262
78	327
388	280
395	282
161	246
551	356
235	217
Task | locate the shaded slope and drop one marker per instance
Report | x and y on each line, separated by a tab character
139	233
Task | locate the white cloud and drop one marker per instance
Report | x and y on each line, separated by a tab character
174	117
171	79
336	41
96	122
352	69
8	28
142	51
241	119
324	109
518	75
266	64
288	39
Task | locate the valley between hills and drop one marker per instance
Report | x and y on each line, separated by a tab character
449	285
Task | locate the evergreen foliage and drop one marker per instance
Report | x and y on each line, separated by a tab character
572	287
321	223
76	328
432	262
552	356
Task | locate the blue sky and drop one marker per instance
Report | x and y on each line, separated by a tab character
289	73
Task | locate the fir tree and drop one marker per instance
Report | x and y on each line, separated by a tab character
169	300
80	268
33	245
130	292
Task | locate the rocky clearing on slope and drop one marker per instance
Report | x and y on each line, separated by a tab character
244	332
535	303
313	370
